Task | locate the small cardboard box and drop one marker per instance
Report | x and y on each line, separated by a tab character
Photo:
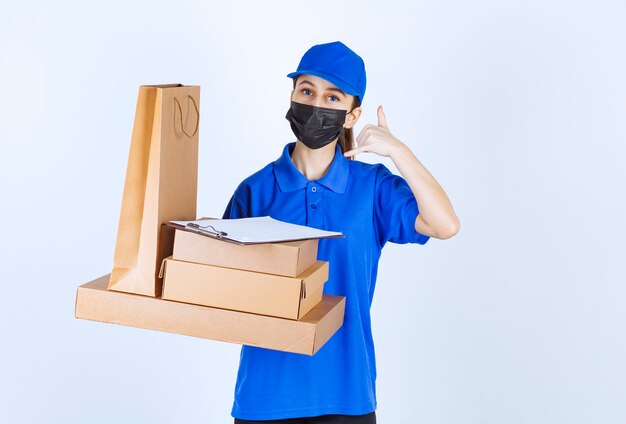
306	336
288	258
246	291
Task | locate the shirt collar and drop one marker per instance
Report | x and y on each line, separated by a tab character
290	178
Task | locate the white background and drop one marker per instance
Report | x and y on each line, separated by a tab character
518	108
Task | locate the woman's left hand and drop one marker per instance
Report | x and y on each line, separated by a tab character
376	138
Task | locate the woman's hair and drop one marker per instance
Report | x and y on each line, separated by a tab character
346	138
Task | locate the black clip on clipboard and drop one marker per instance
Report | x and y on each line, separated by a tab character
203	229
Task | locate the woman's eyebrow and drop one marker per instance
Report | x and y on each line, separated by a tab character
336	89
329	88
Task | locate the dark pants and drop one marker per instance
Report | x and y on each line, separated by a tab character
322	419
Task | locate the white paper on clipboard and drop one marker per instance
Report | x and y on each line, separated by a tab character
263	229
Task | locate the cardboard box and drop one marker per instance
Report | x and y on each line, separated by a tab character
247	291
289	258
306	336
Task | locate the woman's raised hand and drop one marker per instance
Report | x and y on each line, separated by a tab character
376	138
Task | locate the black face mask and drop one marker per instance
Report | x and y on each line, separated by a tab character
315	126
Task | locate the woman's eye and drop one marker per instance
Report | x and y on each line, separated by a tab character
306	92
336	99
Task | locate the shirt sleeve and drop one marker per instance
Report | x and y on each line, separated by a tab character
395	210
235	208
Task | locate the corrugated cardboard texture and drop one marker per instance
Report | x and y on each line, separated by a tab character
247	291
305	336
289	258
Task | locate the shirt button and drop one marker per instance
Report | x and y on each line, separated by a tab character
313	206
314	189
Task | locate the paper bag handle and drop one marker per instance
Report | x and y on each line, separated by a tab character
180	109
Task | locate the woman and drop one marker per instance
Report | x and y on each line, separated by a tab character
314	183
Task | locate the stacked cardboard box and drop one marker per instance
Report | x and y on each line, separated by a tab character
266	295
305	336
277	279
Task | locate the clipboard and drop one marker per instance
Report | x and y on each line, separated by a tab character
255	230
220	235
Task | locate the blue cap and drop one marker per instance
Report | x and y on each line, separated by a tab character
336	63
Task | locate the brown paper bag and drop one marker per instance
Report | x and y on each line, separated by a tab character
161	184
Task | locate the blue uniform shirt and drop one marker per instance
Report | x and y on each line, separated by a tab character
370	206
